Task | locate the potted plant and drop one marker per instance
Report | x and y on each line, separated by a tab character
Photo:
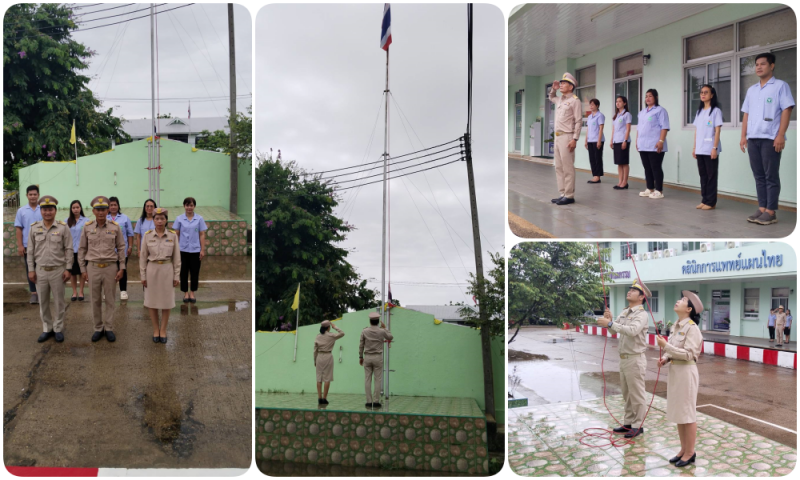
669	329
659	327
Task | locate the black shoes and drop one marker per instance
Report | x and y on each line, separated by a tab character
185	299
163	339
376	405
368	405
156	339
622	429
565	201
617	187
589	181
111	337
44	336
681	463
97	336
59	337
555	200
192	300
634	432
675	459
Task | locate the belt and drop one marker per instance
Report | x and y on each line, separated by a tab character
100	265
50	269
320	351
161	262
683	362
632	355
558	134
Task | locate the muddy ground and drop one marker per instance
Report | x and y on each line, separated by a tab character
132	403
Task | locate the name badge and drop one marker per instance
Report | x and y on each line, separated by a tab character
767	119
708	140
682	333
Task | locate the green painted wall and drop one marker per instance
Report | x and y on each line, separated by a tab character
665	74
122	173
429	360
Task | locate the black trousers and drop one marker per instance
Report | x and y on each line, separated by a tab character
190	266
765	163
596	158
31	285
653	174
771	333
709	170
123	282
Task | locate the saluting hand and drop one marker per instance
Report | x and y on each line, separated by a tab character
383	325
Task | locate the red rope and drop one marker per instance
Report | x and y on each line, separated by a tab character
604	433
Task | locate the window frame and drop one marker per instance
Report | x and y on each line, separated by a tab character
692	245
615	81
653	301
623	248
751	315
773	298
521	105
734	56
652	246
577	75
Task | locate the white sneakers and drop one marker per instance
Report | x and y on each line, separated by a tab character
656	194
646	193
123	295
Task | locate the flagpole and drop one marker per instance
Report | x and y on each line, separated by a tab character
77	177
297	324
385	202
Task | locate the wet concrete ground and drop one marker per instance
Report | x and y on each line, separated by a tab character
132	403
562	366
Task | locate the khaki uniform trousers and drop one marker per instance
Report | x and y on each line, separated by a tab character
565	165
779	336
46	283
631	379
373	367
101	281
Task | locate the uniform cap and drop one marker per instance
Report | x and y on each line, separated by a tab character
641	287
48	201
99	202
374	316
696	303
160	211
567	77
780	307
326	323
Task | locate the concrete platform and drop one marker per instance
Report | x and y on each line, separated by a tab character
436	434
543	440
602	212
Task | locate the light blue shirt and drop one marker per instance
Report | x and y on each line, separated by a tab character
651	121
76	232
593	122
25	217
707	122
620	125
124	225
763	106
788	321
142	226
190	232
772	319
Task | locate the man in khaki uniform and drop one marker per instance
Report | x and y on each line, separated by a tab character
780	324
98	260
370	355
631	325
49	262
567	127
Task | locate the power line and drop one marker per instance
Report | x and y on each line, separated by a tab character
350	201
104	9
397	163
177	99
397	169
202	8
404	175
119	14
202	53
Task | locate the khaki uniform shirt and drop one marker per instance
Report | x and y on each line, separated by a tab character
98	244
632	327
569	117
50	247
685	341
157	248
780	318
324	342
372	339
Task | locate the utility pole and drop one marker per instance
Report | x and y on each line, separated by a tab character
234	199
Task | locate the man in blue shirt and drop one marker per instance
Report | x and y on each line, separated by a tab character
767	111
25	217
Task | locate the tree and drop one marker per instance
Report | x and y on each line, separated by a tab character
494	302
43	91
554	281
296	243
220	141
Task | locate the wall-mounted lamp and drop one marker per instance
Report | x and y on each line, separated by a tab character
645	59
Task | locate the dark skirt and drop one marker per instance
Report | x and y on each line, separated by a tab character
622	157
76	268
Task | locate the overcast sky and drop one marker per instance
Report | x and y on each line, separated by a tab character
320	76
192	53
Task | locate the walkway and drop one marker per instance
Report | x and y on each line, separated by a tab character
602	212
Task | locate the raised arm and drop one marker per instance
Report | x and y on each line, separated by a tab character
635	328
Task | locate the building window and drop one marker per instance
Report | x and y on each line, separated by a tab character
656	246
717	58
628	82
586	87
605	251
691	246
626	250
780	296
653	301
518	122
751	300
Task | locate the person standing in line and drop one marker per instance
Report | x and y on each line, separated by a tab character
124	223
567	125
621	141
771	324
323	359
49	263
707	145
651	143
75	222
787	330
767	111
159	266
25	217
370	356
145	222
780	324
595	139
192	230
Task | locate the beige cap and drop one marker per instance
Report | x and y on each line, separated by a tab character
374	316
326	323
160	211
567	77
696	303
780	307
641	287
48	201
99	202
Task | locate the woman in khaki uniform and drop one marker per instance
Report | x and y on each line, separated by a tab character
681	352
160	267
323	359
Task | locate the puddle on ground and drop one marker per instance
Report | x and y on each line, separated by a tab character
555	384
519	356
217	308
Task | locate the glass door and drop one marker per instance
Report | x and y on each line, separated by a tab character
518	122
721	310
548	143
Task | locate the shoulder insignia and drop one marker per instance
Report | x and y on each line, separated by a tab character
89	222
61	223
34	223
691	322
173	231
113	222
147	232
574	96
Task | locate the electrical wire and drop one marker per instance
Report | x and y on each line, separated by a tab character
395	170
397	163
404	175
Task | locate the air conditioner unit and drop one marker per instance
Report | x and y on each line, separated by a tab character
647	256
734	244
670	252
706	247
658	254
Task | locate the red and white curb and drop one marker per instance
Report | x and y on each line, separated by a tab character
124	472
738	352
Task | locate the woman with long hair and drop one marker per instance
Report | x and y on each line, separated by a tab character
145	222
595	138
191	229
621	141
75	223
681	352
323	359
707	145
160	266
651	142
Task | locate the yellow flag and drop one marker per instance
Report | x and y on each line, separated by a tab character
296	303
72	136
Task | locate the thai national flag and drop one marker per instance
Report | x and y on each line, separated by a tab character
386	28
